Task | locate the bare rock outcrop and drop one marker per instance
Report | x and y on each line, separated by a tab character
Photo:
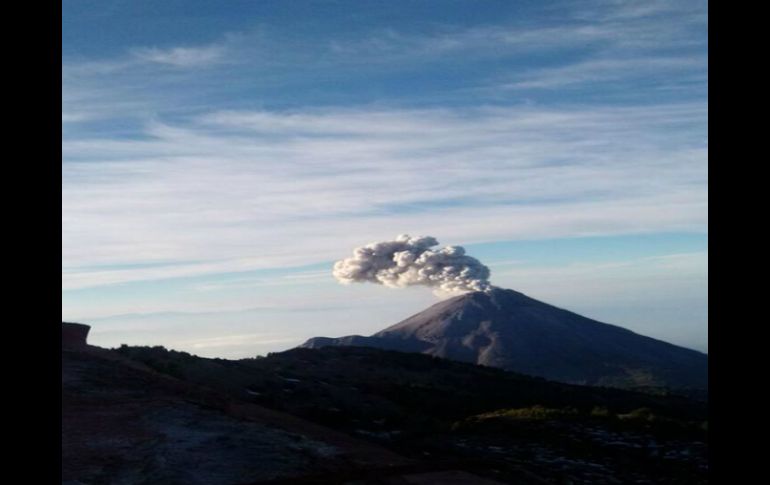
74	335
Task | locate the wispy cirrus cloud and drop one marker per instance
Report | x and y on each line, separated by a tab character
236	191
598	26
128	87
183	57
598	29
600	41
612	70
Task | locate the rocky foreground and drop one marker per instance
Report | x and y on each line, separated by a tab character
124	422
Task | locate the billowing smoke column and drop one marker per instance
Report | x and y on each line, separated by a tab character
410	261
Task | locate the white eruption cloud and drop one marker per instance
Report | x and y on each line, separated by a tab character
410	261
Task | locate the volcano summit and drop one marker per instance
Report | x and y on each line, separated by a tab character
507	329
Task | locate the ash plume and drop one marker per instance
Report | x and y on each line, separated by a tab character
410	261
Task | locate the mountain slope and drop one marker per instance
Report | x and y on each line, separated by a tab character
507	329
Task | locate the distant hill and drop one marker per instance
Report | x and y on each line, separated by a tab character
509	330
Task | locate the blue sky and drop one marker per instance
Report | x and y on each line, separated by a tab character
218	158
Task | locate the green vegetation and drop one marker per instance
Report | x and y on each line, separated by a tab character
532	412
600	412
636	420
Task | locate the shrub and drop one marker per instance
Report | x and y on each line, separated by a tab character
600	412
536	412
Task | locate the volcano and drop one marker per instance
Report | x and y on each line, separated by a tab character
509	330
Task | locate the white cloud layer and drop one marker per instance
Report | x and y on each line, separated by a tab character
181	56
233	191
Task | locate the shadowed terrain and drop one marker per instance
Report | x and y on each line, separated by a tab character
504	426
125	422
